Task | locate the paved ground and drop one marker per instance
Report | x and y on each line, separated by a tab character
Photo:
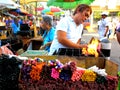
115	47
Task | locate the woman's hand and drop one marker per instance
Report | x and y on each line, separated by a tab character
83	46
42	47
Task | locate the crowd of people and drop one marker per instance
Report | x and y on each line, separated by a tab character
13	23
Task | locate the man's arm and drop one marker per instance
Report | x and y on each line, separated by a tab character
106	30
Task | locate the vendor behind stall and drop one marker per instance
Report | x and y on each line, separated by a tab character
69	30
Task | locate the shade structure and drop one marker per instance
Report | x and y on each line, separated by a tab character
54	9
68	4
8	4
51	9
8	14
65	5
39	8
59	13
49	13
19	12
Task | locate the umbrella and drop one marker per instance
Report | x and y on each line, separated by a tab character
54	9
59	13
39	8
49	13
68	4
51	9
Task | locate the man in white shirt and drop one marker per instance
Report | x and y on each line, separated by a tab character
103	26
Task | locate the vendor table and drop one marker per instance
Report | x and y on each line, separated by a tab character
35	43
47	82
14	78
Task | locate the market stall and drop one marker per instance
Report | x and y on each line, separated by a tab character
36	70
20	73
56	75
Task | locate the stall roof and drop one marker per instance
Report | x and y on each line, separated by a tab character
8	4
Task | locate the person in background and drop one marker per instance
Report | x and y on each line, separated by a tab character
118	32
48	35
37	25
15	25
8	20
2	23
54	22
110	29
41	31
103	26
20	20
69	30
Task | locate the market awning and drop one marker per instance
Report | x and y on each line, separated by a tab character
8	14
19	11
8	4
39	8
51	9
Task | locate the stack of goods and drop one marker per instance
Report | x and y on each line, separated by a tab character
16	43
39	74
9	72
95	49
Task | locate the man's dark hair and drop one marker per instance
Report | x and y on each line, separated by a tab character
82	7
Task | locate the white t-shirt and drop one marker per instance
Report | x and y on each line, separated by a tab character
102	25
74	33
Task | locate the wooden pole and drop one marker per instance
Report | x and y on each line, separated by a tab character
35	29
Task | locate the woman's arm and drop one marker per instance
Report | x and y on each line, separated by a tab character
62	38
44	46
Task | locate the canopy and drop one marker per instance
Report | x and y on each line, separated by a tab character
39	8
8	14
8	4
68	4
51	9
18	12
29	1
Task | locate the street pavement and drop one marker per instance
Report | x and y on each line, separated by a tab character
115	47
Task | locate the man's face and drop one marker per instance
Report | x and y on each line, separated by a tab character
104	16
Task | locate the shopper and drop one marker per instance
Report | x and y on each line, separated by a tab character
118	33
103	26
15	25
69	29
48	35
